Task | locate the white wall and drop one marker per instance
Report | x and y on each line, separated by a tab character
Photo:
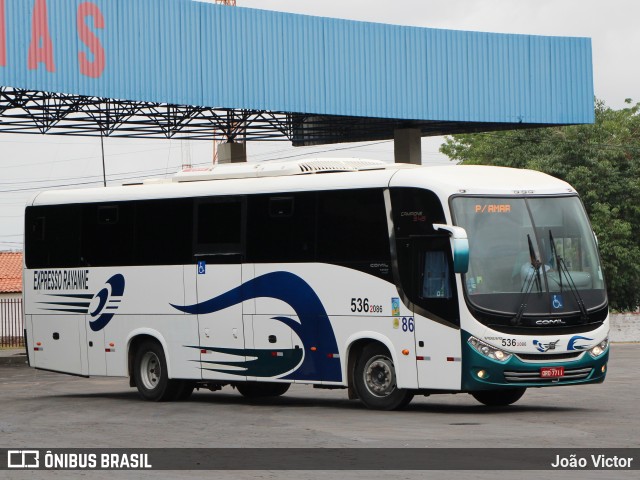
625	327
10	295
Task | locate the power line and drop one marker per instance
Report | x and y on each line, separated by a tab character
163	170
27	182
329	150
91	182
91	157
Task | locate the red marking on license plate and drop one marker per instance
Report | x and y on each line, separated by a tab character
552	372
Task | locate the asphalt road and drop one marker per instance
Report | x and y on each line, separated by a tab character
42	409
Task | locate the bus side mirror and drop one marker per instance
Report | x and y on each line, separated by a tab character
460	246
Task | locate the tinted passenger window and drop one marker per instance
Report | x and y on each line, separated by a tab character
281	228
219	231
154	232
52	236
163	232
415	211
424	255
353	231
108	235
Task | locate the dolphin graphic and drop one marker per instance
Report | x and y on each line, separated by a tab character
314	327
545	347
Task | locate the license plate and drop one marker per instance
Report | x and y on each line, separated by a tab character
552	372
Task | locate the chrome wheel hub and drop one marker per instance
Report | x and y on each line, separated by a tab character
379	376
150	370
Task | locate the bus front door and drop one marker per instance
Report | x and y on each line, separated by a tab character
222	346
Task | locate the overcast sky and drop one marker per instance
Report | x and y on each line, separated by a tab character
30	163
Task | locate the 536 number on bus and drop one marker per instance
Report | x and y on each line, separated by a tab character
362	305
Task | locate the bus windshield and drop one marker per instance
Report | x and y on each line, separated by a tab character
539	251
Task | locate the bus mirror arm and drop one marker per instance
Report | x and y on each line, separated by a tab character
459	246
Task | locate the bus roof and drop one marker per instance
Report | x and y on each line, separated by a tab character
239	180
481	180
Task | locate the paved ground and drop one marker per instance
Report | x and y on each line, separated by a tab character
625	327
12	356
41	409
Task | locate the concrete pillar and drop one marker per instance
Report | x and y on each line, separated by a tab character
232	152
407	145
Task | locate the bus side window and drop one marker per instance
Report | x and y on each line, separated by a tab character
37	228
163	231
281	207
107	215
219	230
281	229
436	279
424	261
108	234
353	231
53	236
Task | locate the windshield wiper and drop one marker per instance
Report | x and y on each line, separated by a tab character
535	263
532	278
562	268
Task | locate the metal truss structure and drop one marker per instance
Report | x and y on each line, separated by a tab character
25	111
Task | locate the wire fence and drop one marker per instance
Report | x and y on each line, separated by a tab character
11	323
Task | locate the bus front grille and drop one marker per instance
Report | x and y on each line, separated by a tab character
549	357
569	374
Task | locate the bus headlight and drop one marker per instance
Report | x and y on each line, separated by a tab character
599	349
489	351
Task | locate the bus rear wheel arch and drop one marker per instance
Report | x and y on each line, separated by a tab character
374	379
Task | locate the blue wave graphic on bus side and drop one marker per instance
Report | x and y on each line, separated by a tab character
314	327
106	297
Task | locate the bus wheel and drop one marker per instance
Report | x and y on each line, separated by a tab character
184	390
262	389
499	398
375	380
150	373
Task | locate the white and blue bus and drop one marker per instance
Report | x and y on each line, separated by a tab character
387	280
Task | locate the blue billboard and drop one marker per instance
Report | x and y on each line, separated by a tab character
192	53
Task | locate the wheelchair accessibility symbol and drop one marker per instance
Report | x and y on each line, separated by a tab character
202	267
557	302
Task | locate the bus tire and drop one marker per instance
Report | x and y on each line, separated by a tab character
499	398
262	389
150	373
184	390
375	380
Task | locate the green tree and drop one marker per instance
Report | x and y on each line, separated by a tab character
602	161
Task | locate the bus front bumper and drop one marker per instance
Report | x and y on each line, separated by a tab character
482	373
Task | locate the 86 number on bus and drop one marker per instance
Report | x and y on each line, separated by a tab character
407	324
